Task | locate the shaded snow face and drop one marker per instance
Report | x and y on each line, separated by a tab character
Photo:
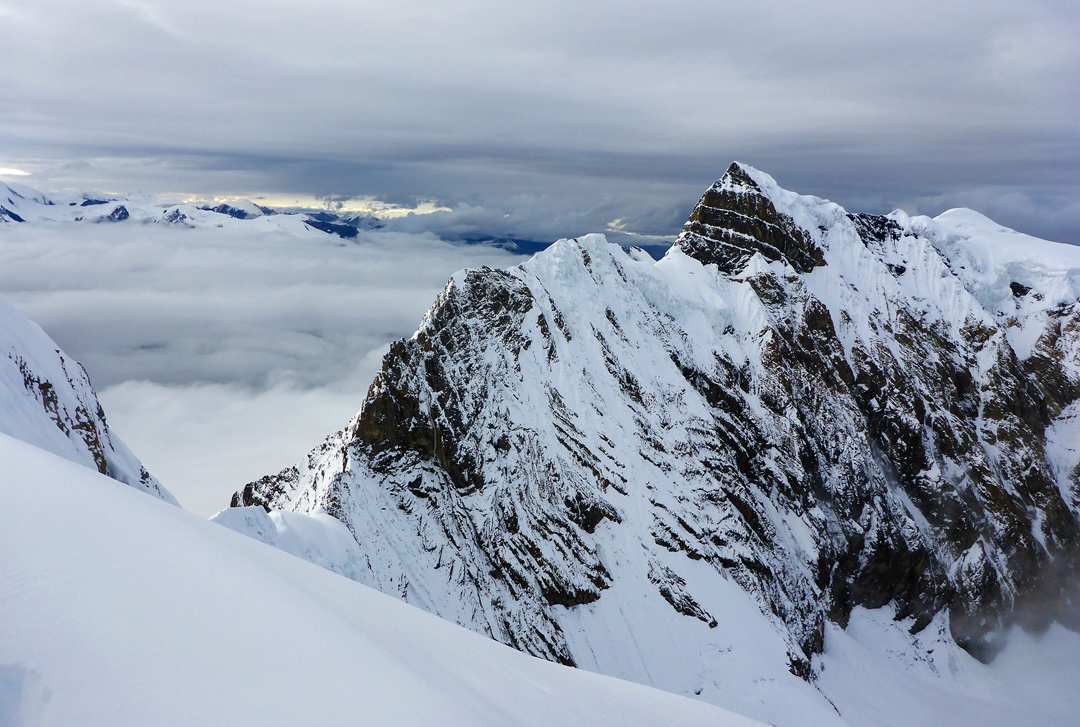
818	409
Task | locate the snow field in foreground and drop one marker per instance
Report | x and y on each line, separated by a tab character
118	609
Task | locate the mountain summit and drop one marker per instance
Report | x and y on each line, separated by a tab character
697	471
735	219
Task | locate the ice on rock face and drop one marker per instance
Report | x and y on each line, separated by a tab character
687	472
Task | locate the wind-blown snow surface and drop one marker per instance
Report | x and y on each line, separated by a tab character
693	473
46	400
319	538
875	673
120	611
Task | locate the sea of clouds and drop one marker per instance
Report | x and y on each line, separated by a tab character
222	356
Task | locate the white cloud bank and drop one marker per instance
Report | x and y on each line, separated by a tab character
208	440
219	357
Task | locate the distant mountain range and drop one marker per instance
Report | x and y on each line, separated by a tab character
19	203
23	204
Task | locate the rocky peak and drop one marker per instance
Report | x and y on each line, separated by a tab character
736	218
593	447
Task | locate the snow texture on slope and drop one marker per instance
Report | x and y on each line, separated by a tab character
120	611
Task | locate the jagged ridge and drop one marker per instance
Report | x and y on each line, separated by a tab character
830	410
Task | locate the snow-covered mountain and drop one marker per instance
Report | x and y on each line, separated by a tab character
118	610
19	203
697	473
46	400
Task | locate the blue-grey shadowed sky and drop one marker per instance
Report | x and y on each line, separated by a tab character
547	119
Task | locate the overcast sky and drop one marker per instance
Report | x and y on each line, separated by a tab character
541	120
221	360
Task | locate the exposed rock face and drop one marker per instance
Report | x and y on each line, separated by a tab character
46	400
829	410
943	409
117	215
734	220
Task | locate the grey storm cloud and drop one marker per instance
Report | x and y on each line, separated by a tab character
564	116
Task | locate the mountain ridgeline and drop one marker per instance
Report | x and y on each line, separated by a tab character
821	410
46	400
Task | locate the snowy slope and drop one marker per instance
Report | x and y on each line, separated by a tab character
46	400
690	473
118	610
875	673
317	538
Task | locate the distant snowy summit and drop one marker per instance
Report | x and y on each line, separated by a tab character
19	203
697	473
46	400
